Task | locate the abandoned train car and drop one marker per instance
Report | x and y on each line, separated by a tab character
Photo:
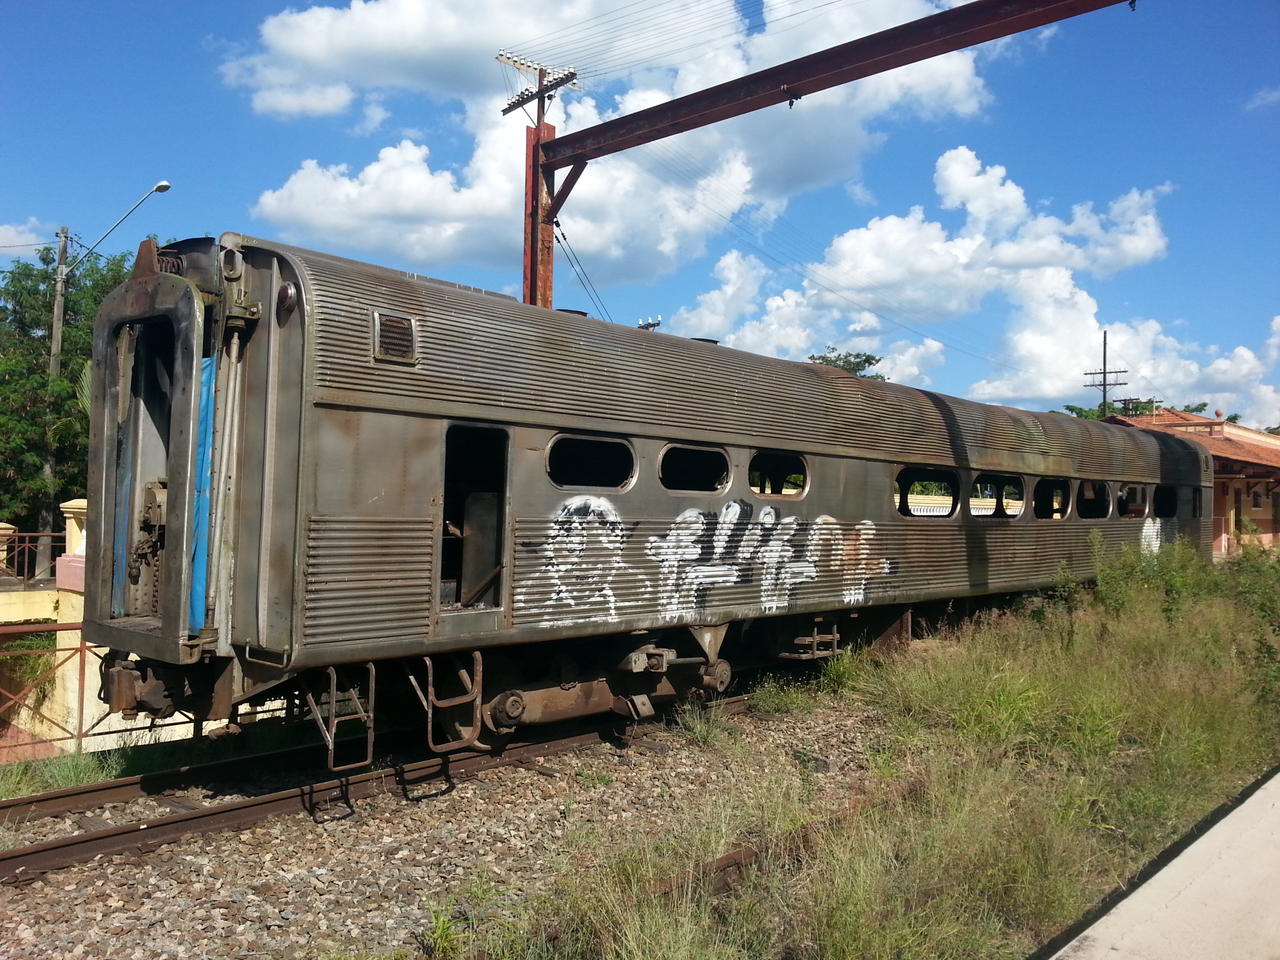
303	466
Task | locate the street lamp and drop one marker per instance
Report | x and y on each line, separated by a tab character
60	279
44	548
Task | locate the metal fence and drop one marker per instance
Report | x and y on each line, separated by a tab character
30	556
48	698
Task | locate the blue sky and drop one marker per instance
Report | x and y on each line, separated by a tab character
977	220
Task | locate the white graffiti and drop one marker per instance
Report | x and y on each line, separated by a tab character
587	559
581	560
1156	532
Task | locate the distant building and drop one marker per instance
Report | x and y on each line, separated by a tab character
1246	475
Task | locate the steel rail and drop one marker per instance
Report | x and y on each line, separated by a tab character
23	864
85	797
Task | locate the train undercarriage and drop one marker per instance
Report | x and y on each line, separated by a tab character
479	699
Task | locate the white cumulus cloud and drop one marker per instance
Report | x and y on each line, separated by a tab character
21	239
633	215
911	269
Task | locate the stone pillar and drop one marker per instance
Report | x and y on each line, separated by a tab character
70	571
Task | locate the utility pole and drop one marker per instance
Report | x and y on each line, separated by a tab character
540	209
44	546
1104	384
59	306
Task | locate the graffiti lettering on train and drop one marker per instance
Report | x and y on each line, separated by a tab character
592	564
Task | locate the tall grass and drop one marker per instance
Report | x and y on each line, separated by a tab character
1029	760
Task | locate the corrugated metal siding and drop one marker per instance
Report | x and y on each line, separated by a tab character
553	367
367	578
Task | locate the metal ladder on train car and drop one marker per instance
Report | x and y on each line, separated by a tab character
328	721
815	646
472	684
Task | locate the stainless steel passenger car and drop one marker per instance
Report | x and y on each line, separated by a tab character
301	462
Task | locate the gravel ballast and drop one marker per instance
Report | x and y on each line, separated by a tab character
365	879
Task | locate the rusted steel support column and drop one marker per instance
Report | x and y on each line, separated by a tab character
539	238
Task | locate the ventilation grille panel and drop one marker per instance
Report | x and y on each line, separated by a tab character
393	338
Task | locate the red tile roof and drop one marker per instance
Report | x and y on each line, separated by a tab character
1196	427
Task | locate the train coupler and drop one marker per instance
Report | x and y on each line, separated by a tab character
129	688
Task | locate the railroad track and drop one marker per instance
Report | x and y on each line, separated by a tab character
26	863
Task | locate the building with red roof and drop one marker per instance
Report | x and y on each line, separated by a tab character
1246	474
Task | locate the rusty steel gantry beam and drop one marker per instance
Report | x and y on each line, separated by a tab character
954	29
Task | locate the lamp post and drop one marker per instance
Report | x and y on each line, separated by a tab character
60	279
44	548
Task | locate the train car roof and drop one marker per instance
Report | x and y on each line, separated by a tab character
488	356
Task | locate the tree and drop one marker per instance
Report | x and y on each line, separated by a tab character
1200	407
1138	408
850	362
31	406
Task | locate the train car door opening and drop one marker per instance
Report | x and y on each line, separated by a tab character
475	491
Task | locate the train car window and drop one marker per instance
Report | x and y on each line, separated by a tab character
996	495
1093	500
392	338
1197	505
590	462
696	469
775	474
1164	502
1131	500
926	492
1051	499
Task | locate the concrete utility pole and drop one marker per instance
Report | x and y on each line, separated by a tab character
59	306
44	545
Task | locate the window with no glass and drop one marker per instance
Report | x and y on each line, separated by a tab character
1051	499
996	495
926	492
392	338
1093	500
1164	502
776	474
590	462
695	469
1131	500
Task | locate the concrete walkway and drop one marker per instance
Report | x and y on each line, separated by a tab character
1217	900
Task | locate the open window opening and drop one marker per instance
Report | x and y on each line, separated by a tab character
694	469
475	485
775	474
145	370
926	492
1051	499
997	496
1131	501
1093	500
1164	502
590	462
